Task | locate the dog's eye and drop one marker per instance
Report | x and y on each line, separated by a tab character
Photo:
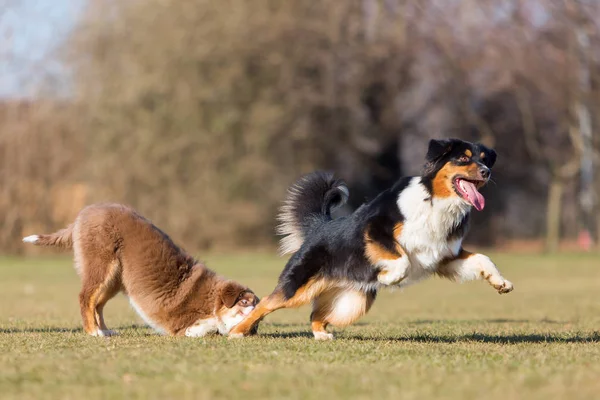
464	159
244	302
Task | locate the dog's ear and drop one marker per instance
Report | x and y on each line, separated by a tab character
436	150
231	292
490	155
439	148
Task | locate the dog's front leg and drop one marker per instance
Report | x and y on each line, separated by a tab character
393	271
202	328
472	266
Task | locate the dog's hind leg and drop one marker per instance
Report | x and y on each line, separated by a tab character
100	282
277	300
339	307
110	287
299	283
267	305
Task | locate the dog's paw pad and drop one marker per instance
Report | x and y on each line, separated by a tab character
320	335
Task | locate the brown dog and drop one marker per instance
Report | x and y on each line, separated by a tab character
116	249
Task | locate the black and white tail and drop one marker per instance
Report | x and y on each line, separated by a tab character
309	202
62	238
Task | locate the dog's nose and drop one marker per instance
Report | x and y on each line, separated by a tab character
484	172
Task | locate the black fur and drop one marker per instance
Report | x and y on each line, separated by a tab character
310	202
335	248
443	151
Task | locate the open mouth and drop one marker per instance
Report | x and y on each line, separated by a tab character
468	189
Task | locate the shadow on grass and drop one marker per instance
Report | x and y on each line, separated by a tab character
487	338
487	321
61	330
475	337
286	335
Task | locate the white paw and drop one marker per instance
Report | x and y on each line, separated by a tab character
191	333
393	271
388	279
503	286
235	336
321	335
202	328
105	333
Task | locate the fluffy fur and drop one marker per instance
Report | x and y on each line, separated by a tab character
118	250
409	232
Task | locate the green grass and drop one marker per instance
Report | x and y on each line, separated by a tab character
436	339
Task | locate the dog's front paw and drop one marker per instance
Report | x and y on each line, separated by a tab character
389	278
502	285
393	272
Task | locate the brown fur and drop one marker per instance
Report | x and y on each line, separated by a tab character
375	251
442	183
118	250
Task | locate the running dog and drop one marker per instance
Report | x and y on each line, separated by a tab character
407	233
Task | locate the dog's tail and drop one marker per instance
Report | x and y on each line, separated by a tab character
309	202
62	238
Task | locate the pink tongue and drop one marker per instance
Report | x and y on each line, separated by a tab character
473	195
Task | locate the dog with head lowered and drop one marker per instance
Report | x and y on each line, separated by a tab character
118	250
409	232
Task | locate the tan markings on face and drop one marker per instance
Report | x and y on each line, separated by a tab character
248	299
482	155
375	252
442	182
468	153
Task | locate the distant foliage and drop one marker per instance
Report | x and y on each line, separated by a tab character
200	113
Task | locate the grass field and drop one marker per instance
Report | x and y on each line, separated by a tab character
434	340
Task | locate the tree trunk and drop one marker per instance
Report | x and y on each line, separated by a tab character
553	214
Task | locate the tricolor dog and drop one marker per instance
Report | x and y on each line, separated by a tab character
409	232
118	250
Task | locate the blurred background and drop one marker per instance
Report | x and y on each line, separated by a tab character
201	113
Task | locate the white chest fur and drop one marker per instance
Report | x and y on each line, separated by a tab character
427	223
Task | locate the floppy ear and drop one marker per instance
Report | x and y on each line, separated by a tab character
490	156
438	148
231	292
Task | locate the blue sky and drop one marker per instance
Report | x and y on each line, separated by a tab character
29	30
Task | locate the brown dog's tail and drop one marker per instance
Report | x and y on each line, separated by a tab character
62	238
